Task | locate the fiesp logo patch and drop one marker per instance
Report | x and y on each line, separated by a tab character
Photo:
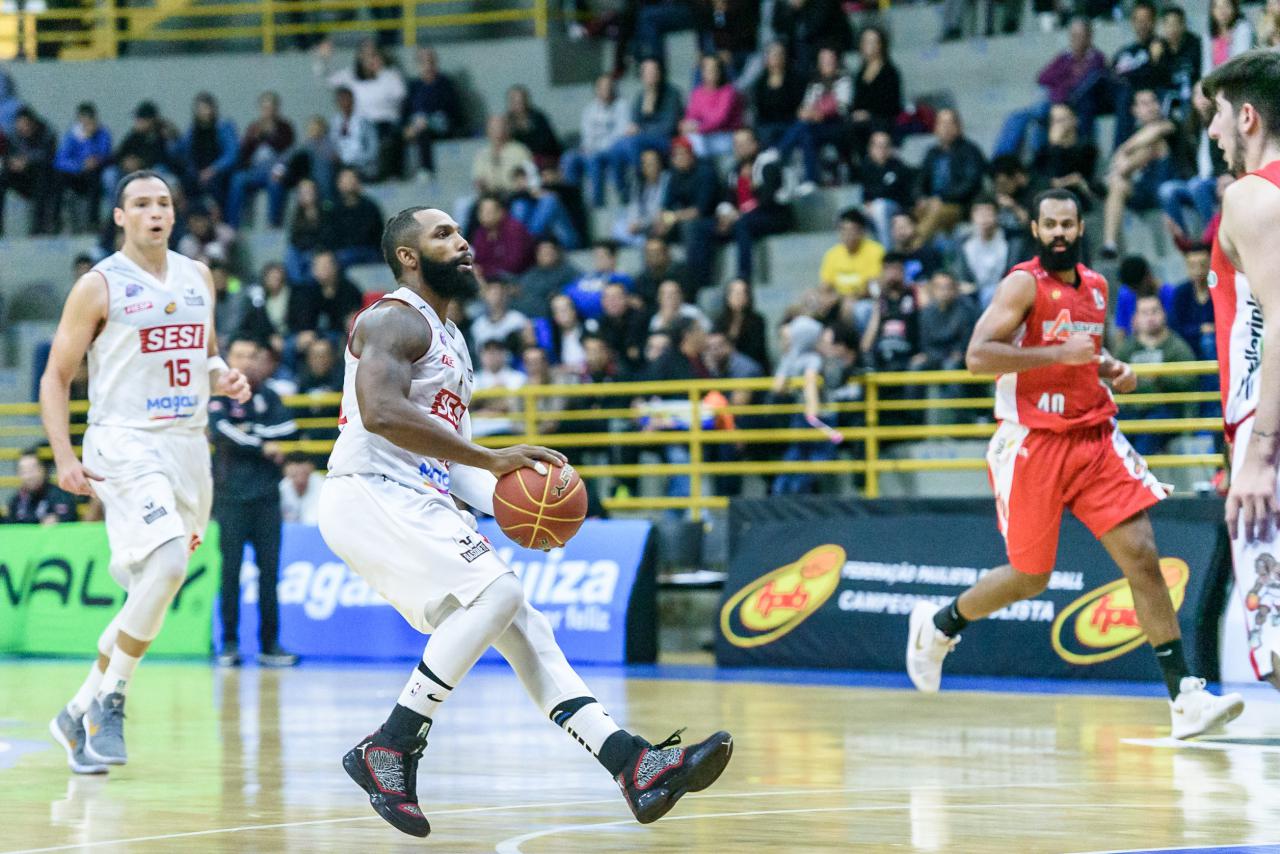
1102	625
777	602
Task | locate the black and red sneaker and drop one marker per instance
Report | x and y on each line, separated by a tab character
659	775
390	777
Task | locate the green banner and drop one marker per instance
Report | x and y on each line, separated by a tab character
56	595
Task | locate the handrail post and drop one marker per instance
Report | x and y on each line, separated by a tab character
695	454
540	18
268	27
409	21
530	410
873	440
112	15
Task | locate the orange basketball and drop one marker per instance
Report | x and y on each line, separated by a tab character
539	512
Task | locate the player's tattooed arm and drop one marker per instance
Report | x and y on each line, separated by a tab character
1250	219
388	339
83	317
991	349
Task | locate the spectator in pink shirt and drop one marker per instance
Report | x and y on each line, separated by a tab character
714	111
499	242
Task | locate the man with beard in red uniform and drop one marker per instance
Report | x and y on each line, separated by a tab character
1244	282
1058	447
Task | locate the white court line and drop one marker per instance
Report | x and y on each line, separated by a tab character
512	845
1187	848
1202	745
551	805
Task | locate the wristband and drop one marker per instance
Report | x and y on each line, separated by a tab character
217	363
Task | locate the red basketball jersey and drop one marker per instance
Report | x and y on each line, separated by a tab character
1237	322
1058	397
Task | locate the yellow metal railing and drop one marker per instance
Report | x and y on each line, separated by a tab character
101	26
534	414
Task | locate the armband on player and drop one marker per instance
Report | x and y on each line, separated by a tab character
217	363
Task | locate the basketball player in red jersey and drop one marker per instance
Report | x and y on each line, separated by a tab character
1244	282
1058	446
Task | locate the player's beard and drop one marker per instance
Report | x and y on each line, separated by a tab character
1237	167
447	278
1057	259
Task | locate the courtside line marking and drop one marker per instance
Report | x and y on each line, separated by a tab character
512	845
1218	847
552	805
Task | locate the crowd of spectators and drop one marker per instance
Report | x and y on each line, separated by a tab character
690	173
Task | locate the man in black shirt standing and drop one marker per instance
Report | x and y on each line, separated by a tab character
38	502
246	473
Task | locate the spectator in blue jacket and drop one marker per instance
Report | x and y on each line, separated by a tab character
83	154
208	151
588	291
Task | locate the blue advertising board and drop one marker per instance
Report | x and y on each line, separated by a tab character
597	592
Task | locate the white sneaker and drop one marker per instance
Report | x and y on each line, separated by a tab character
1196	711
926	648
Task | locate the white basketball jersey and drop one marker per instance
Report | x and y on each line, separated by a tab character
149	366
441	387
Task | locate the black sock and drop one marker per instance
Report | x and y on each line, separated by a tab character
617	749
1173	665
949	619
405	728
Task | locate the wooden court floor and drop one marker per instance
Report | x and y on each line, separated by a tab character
248	761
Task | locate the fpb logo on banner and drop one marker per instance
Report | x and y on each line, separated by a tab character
1103	623
778	602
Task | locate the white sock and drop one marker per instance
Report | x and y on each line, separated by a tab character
424	691
80	702
590	725
119	671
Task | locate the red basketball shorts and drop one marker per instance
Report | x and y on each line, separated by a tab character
1093	471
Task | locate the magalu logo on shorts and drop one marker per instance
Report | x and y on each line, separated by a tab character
1099	300
1102	625
150	512
782	599
137	307
1213	279
473	545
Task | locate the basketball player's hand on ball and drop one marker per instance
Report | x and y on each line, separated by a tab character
235	385
1078	349
535	457
75	478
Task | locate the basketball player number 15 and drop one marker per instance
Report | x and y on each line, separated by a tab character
179	371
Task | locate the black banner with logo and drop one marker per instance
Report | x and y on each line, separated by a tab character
829	583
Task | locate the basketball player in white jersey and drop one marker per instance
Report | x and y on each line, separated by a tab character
387	509
1244	281
145	317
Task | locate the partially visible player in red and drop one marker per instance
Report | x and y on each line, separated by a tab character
1058	447
1244	281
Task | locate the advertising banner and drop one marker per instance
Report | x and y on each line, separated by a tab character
597	591
830	584
56	595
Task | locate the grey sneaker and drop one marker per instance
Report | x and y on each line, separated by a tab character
277	657
69	732
104	730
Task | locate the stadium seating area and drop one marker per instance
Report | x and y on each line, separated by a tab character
566	261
